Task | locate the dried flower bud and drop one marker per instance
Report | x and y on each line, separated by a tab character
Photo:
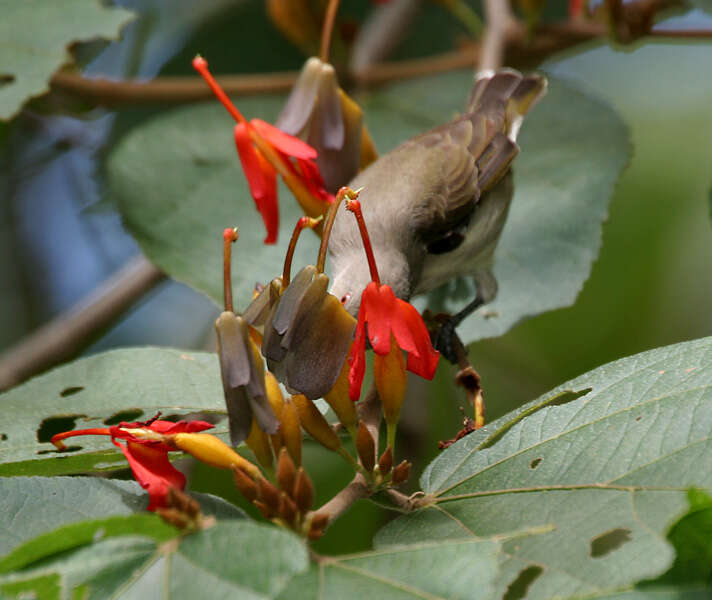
401	473
291	431
212	451
245	484
286	471
314	533
322	114
315	424
303	491
307	335
366	447
385	463
243	381
287	509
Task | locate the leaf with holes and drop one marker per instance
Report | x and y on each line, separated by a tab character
605	461
573	148
36	36
104	389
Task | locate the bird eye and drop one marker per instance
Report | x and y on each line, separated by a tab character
345	298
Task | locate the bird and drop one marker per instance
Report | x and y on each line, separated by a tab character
436	205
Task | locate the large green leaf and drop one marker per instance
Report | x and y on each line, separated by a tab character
608	471
233	559
178	183
35	36
35	506
120	385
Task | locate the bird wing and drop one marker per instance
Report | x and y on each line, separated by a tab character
473	152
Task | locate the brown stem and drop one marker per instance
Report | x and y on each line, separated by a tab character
682	33
66	335
339	504
229	236
327	29
301	224
328	225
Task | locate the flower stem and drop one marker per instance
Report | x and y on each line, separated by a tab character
329	224
355	207
301	224
327	29
201	65
229	236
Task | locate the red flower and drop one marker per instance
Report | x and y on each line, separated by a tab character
388	318
146	452
264	151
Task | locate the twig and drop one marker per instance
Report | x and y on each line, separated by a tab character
169	89
63	337
499	21
339	504
369	411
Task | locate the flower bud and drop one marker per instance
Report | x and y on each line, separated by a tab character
268	494
245	484
175	517
291	431
266	511
366	447
303	491
181	501
287	509
315	424
297	22
319	521
276	400
401	473
385	463
340	402
390	379
286	471
259	443
212	451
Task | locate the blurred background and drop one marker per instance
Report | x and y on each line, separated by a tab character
60	236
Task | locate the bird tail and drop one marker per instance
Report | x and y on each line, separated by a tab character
497	105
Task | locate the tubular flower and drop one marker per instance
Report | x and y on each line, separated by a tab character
145	446
265	151
384	318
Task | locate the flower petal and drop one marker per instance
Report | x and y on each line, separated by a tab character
153	471
357	358
424	359
268	204
169	427
250	161
285	143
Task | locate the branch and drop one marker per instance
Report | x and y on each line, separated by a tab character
169	89
339	504
499	23
66	335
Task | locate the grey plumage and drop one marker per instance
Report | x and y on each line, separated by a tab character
436	205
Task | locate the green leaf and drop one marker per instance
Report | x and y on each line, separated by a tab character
607	469
233	559
36	36
36	506
449	569
120	385
573	148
